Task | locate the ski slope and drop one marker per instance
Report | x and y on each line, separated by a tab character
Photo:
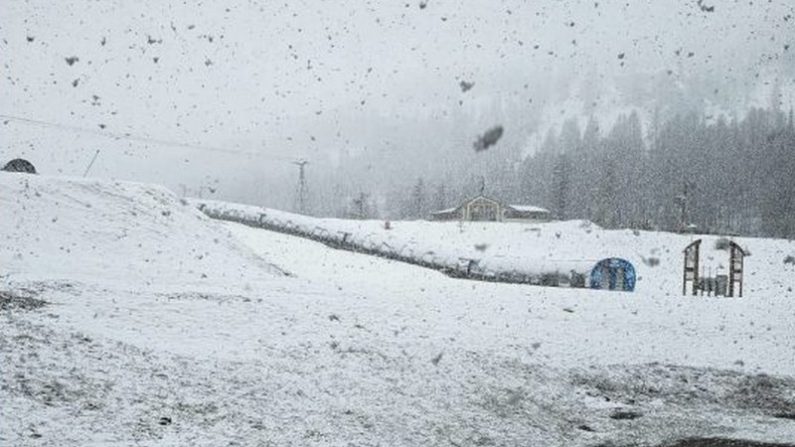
189	331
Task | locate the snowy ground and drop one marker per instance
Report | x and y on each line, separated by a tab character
162	327
554	247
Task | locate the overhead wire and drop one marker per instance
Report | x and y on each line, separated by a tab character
148	140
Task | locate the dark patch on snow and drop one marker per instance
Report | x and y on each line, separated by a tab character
722	442
651	261
625	415
790	416
764	392
466	86
550	280
71	60
684	386
12	301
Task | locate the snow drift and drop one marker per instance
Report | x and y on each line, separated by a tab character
99	231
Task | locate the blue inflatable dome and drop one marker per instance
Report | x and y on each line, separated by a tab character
613	274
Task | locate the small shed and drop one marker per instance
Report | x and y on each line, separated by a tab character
613	274
528	213
445	214
486	209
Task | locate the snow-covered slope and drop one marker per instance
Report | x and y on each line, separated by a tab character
98	231
574	326
542	248
134	348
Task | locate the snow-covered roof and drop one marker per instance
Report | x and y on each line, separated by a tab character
481	196
529	208
445	211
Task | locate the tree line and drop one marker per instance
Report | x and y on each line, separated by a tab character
686	173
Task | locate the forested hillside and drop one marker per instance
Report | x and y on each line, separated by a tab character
727	176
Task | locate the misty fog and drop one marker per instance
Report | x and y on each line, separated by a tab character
466	223
219	99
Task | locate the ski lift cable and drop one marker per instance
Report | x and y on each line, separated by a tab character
130	137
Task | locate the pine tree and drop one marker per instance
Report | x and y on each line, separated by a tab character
440	197
561	185
418	201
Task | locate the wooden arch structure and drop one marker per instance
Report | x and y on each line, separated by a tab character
691	266
720	285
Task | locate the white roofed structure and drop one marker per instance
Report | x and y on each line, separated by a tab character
486	209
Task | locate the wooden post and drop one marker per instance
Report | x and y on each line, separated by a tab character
736	264
691	265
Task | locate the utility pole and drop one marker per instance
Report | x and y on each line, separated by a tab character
301	185
361	204
683	209
683	202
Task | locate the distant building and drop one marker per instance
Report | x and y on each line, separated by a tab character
485	209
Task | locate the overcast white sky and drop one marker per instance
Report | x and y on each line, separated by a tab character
312	78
